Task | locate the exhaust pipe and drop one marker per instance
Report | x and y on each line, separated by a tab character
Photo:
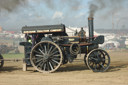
91	29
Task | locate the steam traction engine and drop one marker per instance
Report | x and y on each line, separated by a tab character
48	47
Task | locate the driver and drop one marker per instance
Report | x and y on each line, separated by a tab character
82	35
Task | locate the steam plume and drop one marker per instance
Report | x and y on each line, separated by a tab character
49	3
10	5
74	5
111	5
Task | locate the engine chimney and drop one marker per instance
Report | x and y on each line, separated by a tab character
91	30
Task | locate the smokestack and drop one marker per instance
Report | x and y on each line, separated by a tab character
90	26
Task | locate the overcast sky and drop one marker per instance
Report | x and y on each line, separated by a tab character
69	12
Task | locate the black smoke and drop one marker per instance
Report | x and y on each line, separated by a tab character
99	5
10	5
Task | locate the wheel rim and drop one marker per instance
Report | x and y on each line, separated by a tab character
1	61
98	60
46	56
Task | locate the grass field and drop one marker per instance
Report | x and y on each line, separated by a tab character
11	55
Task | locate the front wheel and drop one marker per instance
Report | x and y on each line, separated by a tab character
46	56
1	61
98	60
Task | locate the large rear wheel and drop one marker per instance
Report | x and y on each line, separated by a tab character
46	56
98	60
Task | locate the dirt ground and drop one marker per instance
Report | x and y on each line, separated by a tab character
75	73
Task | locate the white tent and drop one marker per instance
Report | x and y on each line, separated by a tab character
71	31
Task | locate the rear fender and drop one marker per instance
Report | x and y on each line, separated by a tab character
25	44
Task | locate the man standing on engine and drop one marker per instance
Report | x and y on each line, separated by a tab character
82	35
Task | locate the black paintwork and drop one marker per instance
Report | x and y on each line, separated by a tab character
60	38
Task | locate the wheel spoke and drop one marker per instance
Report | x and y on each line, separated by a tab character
105	54
35	58
50	49
93	53
91	63
106	63
55	61
44	66
39	64
41	46
57	55
47	64
102	66
56	58
97	55
95	67
50	65
104	59
39	55
102	55
53	50
92	58
36	51
39	60
41	51
45	49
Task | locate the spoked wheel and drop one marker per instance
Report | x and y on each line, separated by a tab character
85	59
98	60
1	61
46	56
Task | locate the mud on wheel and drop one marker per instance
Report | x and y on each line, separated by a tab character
46	56
1	61
98	60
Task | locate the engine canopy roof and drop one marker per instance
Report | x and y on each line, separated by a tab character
43	29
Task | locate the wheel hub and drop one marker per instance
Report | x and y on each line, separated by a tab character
46	57
99	60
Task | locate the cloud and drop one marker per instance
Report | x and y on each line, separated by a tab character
80	15
57	14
